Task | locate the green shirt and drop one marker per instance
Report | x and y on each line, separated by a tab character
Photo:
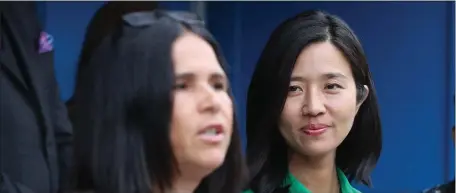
298	187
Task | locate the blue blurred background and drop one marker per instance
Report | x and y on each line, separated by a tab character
409	45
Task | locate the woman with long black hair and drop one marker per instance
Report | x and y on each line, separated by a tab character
154	111
312	115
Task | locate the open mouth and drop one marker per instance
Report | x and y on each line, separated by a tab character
212	134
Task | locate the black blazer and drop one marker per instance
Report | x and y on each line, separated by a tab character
35	133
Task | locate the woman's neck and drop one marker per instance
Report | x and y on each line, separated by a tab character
318	174
183	185
188	179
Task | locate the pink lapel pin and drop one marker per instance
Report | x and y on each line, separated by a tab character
45	43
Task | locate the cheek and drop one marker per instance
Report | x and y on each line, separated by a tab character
292	113
343	110
182	110
181	118
177	141
290	118
227	110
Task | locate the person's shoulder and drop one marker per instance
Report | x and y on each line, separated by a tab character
442	188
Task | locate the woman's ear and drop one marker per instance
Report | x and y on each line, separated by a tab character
361	95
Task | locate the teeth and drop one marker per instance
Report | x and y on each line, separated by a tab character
210	132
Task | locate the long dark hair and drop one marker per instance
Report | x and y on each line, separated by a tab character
122	119
266	148
107	18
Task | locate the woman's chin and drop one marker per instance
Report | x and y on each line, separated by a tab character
211	160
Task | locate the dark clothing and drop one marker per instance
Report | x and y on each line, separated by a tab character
35	133
443	188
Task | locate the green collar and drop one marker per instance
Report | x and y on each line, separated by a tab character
298	187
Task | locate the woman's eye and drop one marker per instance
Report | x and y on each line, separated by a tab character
180	86
219	86
333	86
294	89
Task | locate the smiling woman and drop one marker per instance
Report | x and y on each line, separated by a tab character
155	111
312	116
